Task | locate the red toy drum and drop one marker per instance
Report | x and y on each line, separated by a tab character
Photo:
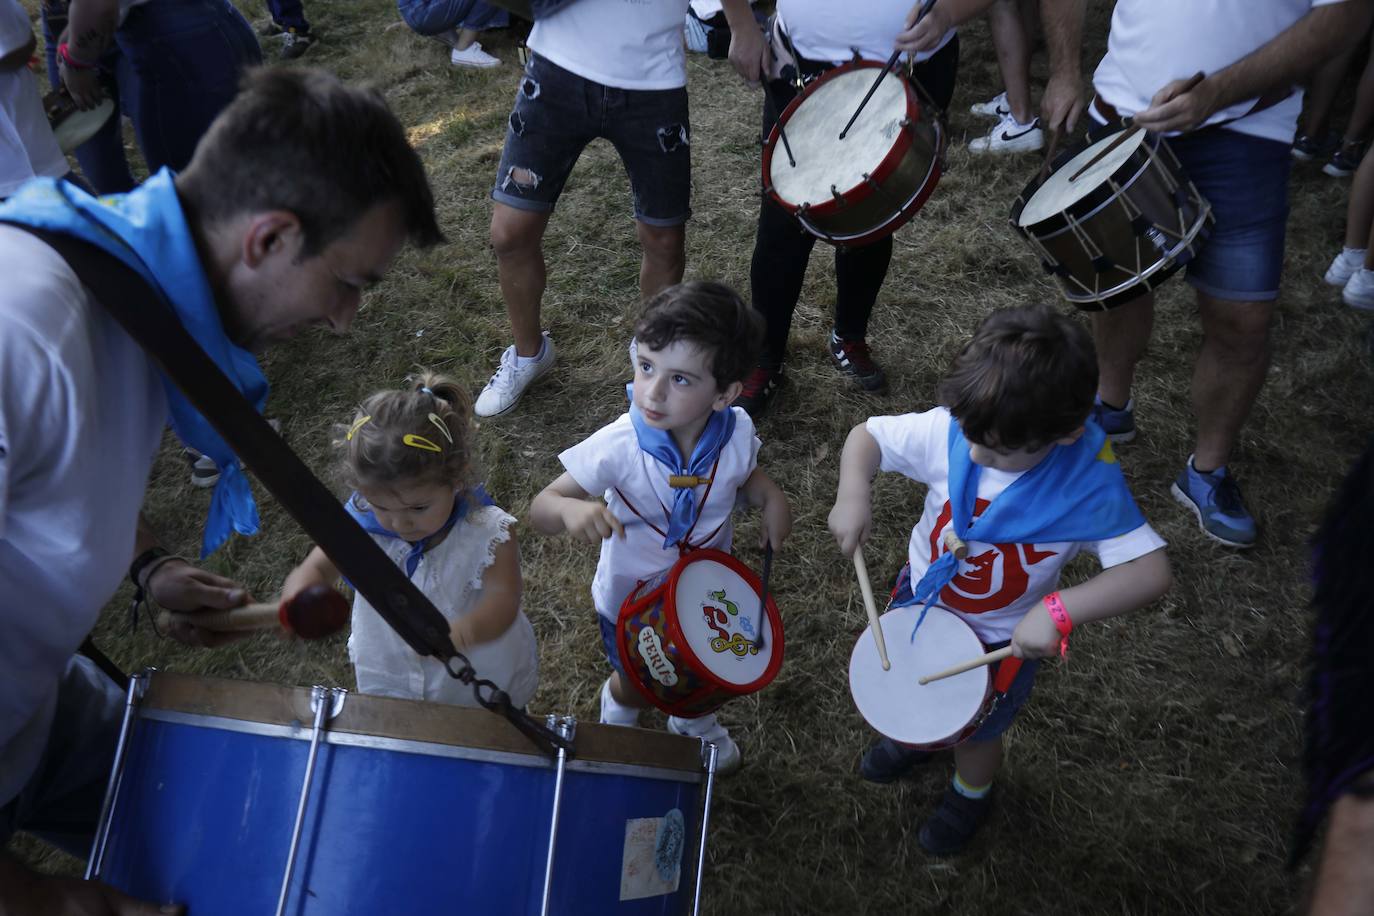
856	190
687	641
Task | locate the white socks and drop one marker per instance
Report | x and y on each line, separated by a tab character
613	712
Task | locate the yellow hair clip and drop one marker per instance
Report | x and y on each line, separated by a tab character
421	442
357	425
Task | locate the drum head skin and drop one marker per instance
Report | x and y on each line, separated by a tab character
893	702
76	127
813	132
1058	193
718	613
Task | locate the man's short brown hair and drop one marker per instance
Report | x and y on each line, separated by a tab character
300	140
1027	378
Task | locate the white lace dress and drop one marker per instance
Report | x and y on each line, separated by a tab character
450	575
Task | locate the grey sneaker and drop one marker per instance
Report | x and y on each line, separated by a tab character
510	381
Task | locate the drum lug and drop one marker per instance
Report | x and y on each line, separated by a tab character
868	179
857	55
839	198
563	725
335	696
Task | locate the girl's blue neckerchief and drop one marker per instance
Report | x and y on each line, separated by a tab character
461	502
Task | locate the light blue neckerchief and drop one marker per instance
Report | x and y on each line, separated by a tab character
147	230
659	444
461	502
1077	493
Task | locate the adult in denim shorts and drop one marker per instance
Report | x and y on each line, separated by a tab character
1231	131
598	68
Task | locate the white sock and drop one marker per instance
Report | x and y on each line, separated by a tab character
700	727
522	361
614	712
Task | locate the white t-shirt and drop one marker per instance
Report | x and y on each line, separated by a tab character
1153	42
450	575
997	583
611	458
81	416
27	146
627	44
829	30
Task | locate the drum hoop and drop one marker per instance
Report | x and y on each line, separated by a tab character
863	189
1094	208
670	622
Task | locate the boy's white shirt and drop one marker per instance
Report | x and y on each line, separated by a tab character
611	458
996	584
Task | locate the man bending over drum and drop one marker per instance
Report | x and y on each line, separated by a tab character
277	224
1020	479
1232	132
597	68
671	469
808	38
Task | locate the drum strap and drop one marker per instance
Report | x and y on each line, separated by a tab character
685	544
143	314
1268	100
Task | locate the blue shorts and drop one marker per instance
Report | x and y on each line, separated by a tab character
608	645
557	113
1009	703
1245	179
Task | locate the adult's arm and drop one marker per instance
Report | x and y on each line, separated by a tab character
178	585
91	26
1063	102
25	892
918	37
1345	878
748	50
1297	50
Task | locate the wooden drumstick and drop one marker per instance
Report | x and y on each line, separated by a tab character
990	658
1132	128
861	570
312	613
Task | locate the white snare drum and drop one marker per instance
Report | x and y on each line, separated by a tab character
70	125
939	714
1121	228
865	187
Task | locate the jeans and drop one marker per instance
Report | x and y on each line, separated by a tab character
432	17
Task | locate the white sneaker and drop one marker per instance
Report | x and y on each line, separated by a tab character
1344	266
613	712
995	107
1009	135
708	728
473	56
510	381
1359	290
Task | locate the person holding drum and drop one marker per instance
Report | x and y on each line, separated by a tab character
299	195
671	468
409	457
1020	480
597	68
1218	79
809	38
27	144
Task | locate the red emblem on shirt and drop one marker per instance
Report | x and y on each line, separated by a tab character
987	581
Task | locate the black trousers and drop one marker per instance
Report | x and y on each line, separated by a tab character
782	248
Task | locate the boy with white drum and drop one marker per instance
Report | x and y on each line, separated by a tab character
692	345
1019	480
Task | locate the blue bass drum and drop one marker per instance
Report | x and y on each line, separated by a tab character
240	798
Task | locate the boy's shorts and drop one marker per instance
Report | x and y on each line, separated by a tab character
608	645
557	113
1009	703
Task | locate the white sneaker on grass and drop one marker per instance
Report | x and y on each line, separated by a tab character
1009	135
994	107
728	756
513	376
1344	266
473	56
1359	290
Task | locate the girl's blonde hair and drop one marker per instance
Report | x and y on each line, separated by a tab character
422	433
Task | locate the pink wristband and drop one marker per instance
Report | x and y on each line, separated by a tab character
66	55
1062	621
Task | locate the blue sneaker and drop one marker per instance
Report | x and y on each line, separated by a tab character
1119	425
1215	500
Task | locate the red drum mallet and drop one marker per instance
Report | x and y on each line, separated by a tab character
312	613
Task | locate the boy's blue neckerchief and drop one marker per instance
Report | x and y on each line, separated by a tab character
147	230
1077	493
659	444
461	502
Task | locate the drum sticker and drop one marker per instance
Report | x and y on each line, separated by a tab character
717	619
651	650
652	862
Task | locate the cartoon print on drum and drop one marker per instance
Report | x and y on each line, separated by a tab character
716	619
989	580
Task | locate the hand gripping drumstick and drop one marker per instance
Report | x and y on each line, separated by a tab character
861	570
992	657
312	613
1131	128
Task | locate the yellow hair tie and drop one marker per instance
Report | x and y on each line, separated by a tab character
357	425
421	442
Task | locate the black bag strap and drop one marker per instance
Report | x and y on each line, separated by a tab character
146	316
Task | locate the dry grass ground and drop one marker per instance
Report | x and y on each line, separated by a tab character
1155	772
